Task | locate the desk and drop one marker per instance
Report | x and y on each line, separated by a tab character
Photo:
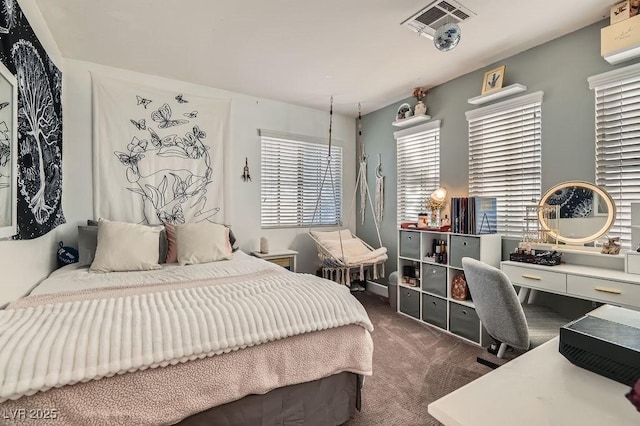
538	388
583	282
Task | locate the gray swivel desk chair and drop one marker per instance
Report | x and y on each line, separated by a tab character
501	313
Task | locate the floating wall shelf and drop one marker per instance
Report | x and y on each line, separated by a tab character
620	42
411	121
498	94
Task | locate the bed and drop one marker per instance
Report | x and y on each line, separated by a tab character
240	341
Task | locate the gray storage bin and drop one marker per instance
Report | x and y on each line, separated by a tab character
463	246
410	302
464	322
434	310
410	244
434	279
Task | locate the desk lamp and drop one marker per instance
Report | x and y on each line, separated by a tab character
435	203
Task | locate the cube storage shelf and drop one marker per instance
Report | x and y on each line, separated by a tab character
430	300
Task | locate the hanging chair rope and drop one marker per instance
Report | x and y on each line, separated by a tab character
336	268
363	169
327	170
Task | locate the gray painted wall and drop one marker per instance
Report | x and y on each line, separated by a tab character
559	68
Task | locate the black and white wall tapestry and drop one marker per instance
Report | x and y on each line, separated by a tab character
39	124
158	154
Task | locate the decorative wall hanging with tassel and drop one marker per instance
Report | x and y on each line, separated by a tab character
379	191
245	172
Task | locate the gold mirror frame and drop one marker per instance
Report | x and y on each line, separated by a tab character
611	209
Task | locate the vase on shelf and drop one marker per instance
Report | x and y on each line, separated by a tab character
420	108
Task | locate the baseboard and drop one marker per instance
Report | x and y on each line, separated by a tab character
379	289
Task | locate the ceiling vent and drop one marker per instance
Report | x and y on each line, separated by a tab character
438	13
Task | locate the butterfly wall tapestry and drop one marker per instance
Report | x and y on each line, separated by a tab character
158	154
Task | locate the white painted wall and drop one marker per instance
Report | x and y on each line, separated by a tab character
27	262
24	263
248	114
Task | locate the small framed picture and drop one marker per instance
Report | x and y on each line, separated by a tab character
493	80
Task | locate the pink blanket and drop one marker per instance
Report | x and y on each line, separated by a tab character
167	395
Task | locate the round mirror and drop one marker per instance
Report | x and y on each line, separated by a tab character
586	212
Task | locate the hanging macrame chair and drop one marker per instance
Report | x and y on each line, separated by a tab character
343	256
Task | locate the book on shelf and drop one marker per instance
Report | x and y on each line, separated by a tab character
474	215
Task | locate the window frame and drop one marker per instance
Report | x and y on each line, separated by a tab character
424	154
523	146
308	163
618	89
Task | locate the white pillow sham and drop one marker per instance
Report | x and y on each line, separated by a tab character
126	247
202	242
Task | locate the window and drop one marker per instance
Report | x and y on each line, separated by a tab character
505	158
293	169
418	168
617	134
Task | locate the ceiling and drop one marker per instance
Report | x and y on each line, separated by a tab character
303	52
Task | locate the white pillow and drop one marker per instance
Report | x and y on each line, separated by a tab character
352	248
202	242
126	247
344	234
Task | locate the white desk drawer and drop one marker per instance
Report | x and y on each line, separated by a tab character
536	278
604	290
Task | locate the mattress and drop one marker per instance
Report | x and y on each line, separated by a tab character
79	278
167	395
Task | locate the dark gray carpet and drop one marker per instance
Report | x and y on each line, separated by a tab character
413	365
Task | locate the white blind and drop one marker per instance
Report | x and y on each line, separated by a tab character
292	173
617	131
505	158
418	168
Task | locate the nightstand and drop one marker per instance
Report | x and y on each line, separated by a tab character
284	258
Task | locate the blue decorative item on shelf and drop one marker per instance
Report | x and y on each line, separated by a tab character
66	255
447	37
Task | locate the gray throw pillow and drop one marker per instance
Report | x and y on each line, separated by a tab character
163	246
232	239
87	243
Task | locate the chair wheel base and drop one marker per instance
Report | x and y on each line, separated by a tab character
493	348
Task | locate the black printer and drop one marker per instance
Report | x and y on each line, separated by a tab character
605	341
